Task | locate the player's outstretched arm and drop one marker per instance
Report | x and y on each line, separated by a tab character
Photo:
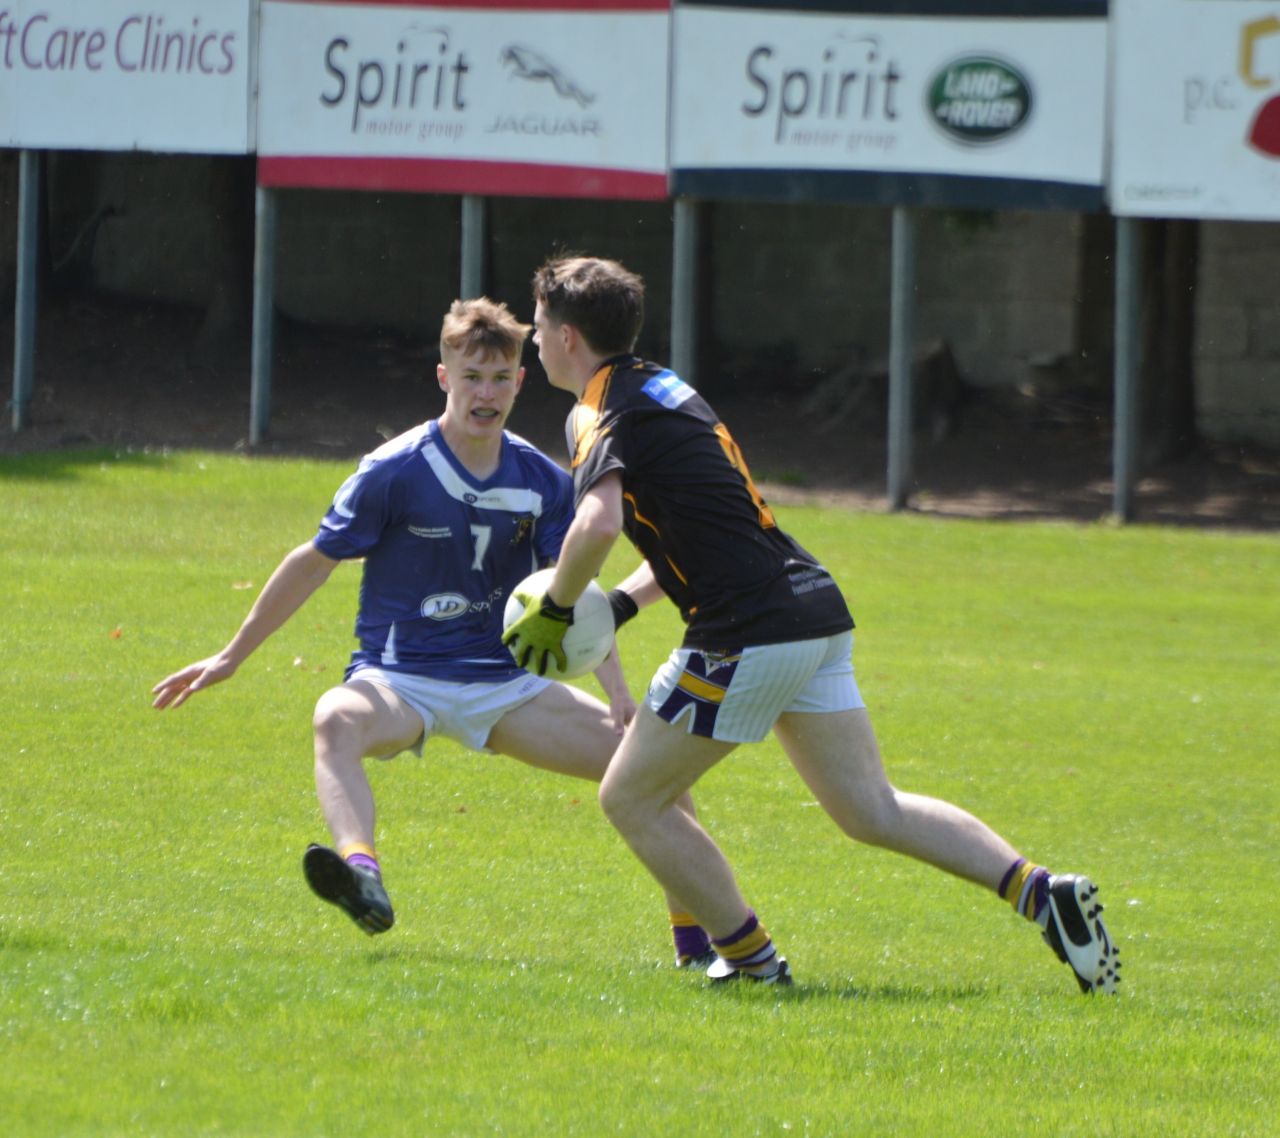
642	586
299	575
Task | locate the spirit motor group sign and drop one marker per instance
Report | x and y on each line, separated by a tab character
533	99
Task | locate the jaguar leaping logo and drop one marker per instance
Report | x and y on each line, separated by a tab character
528	64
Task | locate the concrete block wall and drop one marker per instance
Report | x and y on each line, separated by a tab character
1001	291
394	260
524	232
358	260
794	291
799	288
8	227
154	245
1237	342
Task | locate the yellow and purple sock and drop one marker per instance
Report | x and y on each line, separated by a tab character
691	940
750	948
1026	887
361	856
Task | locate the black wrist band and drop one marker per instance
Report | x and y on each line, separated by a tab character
555	611
624	608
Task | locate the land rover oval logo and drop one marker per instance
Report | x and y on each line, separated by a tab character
979	99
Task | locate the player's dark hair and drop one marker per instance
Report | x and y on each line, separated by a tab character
484	327
603	300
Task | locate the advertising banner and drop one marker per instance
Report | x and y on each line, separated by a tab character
1197	109
122	75
523	98
929	105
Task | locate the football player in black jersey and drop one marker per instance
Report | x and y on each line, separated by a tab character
767	645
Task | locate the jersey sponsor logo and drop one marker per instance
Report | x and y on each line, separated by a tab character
444	606
668	389
450	606
809	580
431	531
490	602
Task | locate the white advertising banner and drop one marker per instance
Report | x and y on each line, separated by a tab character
173	75
1197	109
766	98
523	98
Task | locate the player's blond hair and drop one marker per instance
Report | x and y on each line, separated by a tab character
484	327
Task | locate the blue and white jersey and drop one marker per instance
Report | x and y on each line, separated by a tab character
444	551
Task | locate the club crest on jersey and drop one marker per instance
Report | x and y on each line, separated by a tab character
524	526
668	389
444	606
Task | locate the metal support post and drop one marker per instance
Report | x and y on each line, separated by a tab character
1128	364
475	243
24	332
684	289
902	290
264	305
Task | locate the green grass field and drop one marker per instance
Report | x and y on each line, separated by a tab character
1105	697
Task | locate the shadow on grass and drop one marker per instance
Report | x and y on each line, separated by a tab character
804	992
72	465
396	953
31	940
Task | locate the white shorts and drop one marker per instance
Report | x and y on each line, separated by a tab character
736	696
465	713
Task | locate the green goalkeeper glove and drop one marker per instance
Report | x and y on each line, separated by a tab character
539	634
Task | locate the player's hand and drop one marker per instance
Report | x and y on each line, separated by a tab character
539	634
622	710
175	690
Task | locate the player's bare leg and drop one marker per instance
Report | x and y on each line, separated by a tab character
351	722
562	729
650	773
837	756
565	730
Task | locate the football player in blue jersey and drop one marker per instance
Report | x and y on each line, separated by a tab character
449	518
766	647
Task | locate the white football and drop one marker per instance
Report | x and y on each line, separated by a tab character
587	640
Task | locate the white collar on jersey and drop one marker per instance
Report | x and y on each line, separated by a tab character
462	488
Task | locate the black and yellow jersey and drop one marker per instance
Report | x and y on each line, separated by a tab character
692	510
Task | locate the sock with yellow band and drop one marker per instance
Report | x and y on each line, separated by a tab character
1026	887
361	856
750	949
692	943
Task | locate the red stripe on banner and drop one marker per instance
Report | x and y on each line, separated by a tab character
510	5
446	176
